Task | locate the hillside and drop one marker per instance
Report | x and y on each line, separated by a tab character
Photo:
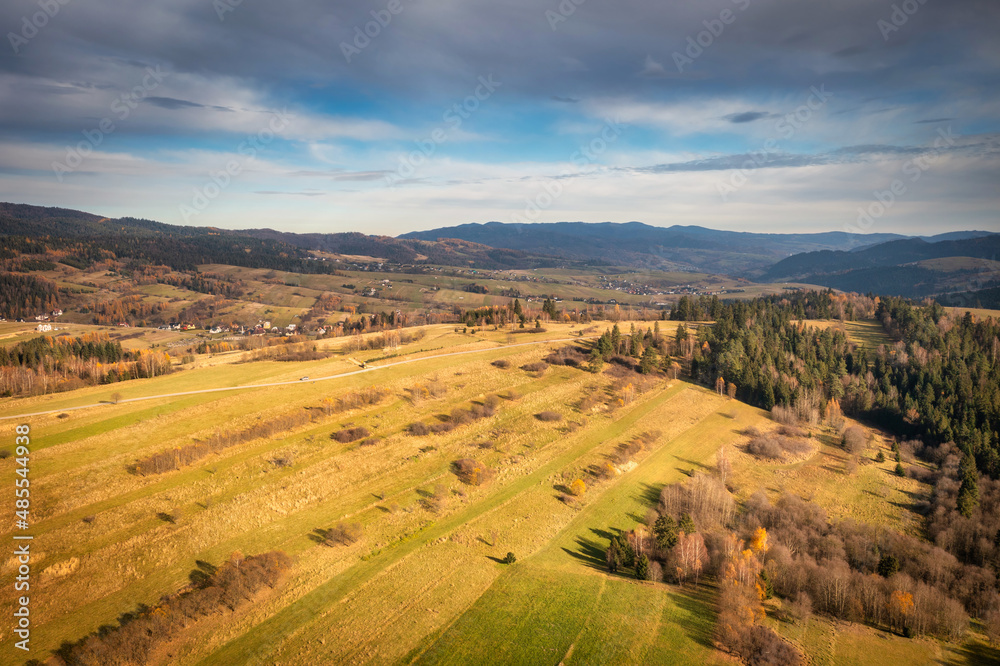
673	248
83	238
911	267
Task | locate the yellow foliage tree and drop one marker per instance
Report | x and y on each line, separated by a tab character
578	487
759	542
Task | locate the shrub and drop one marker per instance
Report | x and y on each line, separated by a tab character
141	632
538	367
366	397
172	459
774	446
418	429
4	454
370	441
343	534
880	456
548	416
350	434
785	415
471	472
854	440
501	363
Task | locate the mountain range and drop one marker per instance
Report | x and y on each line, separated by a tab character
953	263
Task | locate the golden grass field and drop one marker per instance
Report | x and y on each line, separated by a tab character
420	586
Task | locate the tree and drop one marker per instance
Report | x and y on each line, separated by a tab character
596	364
642	568
509	558
731	390
691	556
900	606
687	524
116	397
766	585
577	488
887	566
665	532
613	556
723	465
649	360
759	543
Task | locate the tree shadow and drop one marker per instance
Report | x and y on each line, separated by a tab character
495	559
590	551
649	494
318	535
202	575
699	632
693	463
167	517
974	653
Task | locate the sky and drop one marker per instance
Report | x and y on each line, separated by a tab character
390	116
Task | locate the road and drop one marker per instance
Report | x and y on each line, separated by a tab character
295	381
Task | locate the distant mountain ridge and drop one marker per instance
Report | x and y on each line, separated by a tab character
691	248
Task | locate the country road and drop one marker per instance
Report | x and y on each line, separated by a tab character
295	381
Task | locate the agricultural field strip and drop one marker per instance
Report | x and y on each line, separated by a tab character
191	474
269	632
297	381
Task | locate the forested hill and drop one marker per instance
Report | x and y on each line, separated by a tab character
82	238
893	253
636	244
939	381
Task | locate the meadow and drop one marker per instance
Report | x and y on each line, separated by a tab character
425	580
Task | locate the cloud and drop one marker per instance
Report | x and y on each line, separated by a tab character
652	69
748	116
173	104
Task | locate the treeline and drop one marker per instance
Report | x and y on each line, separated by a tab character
803	305
207	283
49	364
790	549
141	632
130	309
24	296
